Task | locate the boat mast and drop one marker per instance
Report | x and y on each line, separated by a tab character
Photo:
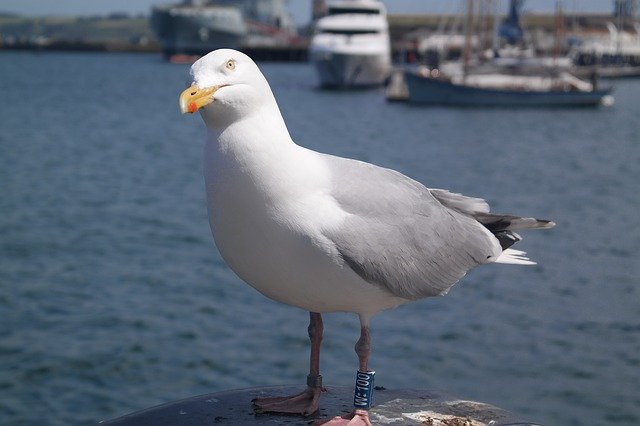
467	39
495	43
559	32
620	23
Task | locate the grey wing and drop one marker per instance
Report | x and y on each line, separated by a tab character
399	236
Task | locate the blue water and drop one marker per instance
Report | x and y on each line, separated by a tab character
113	297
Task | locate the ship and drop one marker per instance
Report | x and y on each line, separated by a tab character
196	27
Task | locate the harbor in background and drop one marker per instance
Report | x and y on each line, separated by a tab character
121	32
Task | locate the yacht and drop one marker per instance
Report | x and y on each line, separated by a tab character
350	47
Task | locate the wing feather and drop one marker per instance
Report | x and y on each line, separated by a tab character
399	236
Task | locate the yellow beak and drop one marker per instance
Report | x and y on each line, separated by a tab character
194	98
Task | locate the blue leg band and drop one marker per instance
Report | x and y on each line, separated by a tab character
363	390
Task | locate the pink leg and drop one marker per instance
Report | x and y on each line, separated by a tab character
357	417
306	402
363	348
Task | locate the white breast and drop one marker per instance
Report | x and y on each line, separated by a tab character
267	221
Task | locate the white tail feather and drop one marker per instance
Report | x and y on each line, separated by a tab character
514	257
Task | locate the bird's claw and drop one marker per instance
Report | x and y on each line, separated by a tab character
305	403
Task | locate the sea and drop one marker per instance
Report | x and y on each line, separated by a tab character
113	297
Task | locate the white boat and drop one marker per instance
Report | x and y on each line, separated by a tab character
351	46
617	55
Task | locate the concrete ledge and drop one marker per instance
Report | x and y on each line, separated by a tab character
392	407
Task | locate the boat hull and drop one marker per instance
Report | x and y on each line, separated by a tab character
424	90
182	31
350	69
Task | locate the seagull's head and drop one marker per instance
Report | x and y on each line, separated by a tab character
225	85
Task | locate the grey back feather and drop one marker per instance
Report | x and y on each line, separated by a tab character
462	203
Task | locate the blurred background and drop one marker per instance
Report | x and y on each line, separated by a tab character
113	297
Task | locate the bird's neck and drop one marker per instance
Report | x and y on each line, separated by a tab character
264	130
254	149
257	156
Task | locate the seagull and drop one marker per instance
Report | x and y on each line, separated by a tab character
325	233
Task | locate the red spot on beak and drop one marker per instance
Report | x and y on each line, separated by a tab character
192	107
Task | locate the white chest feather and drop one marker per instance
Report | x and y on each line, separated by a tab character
267	218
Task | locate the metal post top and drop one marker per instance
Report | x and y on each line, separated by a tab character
397	407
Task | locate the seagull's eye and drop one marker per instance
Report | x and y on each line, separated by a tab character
231	64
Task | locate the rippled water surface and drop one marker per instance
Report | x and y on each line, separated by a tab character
113	297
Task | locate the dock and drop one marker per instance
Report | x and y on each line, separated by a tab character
391	407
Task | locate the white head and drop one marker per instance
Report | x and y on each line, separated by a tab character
226	87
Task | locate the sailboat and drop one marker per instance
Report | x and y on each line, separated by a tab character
496	88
